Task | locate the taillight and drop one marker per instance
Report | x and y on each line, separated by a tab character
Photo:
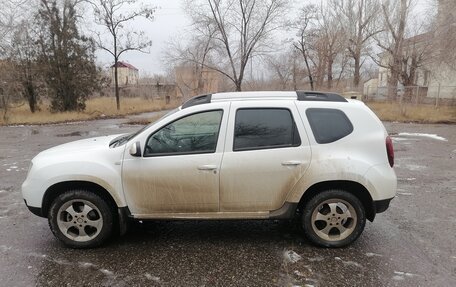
390	150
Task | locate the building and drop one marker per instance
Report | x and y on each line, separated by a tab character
127	74
425	69
192	81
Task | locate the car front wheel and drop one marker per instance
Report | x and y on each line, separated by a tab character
333	218
80	219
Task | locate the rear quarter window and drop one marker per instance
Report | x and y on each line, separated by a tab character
328	125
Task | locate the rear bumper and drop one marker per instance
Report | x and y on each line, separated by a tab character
382	205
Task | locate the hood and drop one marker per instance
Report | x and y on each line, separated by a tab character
82	145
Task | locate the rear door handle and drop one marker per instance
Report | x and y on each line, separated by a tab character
291	163
207	167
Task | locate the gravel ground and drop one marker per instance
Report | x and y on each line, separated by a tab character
411	244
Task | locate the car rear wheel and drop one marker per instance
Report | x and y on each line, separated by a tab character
333	218
80	219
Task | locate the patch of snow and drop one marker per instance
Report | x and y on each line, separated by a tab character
291	256
13	167
317	259
106	272
407	178
352	263
414	167
370	254
405	193
431	136
296	272
8	169
86	264
395	140
406	274
349	263
4	248
29	267
151	277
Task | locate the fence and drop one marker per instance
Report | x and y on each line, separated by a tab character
435	95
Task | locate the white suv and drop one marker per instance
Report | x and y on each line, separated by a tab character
246	155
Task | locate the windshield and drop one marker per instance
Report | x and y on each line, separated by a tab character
125	138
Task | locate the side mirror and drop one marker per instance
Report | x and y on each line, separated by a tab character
135	149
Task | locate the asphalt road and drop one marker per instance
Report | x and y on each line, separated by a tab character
411	244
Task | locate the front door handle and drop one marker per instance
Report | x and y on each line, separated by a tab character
207	167
291	163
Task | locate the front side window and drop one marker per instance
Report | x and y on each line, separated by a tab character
196	133
264	128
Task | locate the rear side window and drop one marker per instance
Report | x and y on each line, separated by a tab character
328	125
264	128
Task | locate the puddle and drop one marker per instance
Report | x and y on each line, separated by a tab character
78	134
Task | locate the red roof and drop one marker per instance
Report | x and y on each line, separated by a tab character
120	64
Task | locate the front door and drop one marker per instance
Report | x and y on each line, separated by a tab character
179	170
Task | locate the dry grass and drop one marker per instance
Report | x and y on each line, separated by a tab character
413	113
146	120
95	108
106	107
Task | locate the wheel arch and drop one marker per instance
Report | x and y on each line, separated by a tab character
352	187
55	190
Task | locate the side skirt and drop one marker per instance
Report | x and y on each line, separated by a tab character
287	211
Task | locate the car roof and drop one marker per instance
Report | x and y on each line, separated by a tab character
264	95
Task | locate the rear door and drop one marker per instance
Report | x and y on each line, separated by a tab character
266	153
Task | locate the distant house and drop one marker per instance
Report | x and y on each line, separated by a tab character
370	88
127	74
190	81
422	62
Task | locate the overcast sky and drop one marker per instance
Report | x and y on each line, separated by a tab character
170	21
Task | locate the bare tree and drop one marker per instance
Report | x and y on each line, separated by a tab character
395	14
114	15
330	43
321	42
360	22
196	53
24	55
304	36
285	68
242	29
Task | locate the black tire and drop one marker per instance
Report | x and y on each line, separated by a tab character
81	219
333	218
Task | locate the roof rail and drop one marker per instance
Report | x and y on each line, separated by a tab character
198	100
319	96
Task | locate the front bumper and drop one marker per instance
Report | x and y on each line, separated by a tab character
35	210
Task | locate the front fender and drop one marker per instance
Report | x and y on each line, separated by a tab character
41	178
